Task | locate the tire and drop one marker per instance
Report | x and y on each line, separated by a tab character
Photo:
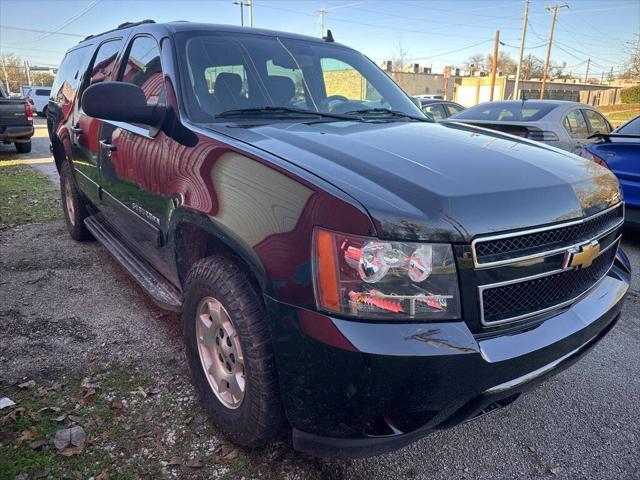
23	147
74	206
258	417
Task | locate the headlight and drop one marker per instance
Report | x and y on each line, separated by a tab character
370	278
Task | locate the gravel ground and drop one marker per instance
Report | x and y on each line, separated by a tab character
71	302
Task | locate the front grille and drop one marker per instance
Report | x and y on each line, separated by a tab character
528	297
498	249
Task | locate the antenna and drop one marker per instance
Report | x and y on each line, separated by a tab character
329	37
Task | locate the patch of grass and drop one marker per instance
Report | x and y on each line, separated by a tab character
27	196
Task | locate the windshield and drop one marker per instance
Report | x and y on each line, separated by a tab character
507	112
228	72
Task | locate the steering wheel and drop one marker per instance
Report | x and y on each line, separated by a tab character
333	98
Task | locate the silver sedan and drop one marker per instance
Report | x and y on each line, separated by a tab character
562	124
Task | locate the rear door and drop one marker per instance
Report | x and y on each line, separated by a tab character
576	126
86	129
132	158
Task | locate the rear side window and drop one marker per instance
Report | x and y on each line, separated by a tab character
43	92
597	122
70	74
631	128
453	109
105	61
576	125
143	68
510	112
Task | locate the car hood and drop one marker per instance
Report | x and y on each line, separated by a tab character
440	182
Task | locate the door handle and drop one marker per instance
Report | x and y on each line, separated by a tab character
77	130
108	146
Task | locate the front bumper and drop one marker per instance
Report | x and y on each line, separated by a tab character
353	389
16	134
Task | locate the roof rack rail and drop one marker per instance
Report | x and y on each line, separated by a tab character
119	27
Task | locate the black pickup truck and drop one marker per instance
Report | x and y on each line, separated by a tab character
16	122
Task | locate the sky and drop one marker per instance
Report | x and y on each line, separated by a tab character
432	32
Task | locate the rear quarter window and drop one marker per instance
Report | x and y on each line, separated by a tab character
43	92
70	74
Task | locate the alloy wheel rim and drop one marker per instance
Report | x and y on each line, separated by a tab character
220	352
71	209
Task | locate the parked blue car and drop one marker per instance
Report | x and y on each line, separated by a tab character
619	151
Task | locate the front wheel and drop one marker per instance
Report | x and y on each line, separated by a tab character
230	353
23	147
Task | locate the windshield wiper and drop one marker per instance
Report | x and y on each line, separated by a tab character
257	111
389	112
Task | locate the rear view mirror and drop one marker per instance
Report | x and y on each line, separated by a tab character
120	102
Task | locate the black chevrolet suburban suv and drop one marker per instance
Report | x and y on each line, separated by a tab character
344	267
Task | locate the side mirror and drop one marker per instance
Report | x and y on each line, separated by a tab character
120	102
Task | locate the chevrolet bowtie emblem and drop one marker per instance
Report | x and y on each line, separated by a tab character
582	256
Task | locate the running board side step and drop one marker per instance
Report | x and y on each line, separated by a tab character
161	291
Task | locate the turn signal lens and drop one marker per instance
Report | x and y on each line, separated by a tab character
370	278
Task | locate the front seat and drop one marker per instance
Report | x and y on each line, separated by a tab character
281	90
227	91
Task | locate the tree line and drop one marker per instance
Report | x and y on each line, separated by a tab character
13	73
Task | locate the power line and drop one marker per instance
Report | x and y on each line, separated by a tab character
42	31
452	51
65	23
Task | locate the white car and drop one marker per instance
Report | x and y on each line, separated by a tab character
40	97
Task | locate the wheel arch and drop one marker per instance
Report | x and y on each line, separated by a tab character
194	236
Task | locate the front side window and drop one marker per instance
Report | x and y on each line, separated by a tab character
576	125
597	122
453	109
143	68
105	61
227	72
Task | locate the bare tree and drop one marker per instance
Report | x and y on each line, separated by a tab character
475	62
15	71
506	64
399	60
632	68
43	79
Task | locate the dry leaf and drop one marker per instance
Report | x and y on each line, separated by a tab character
61	418
117	404
27	435
10	417
42	392
103	475
194	463
71	451
153	391
38	444
174	461
75	419
139	391
29	384
225	453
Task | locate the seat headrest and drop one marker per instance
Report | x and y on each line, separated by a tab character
228	84
281	89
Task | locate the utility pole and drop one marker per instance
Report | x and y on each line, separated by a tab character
546	63
250	5
611	75
322	13
241	3
27	70
586	74
494	65
516	88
